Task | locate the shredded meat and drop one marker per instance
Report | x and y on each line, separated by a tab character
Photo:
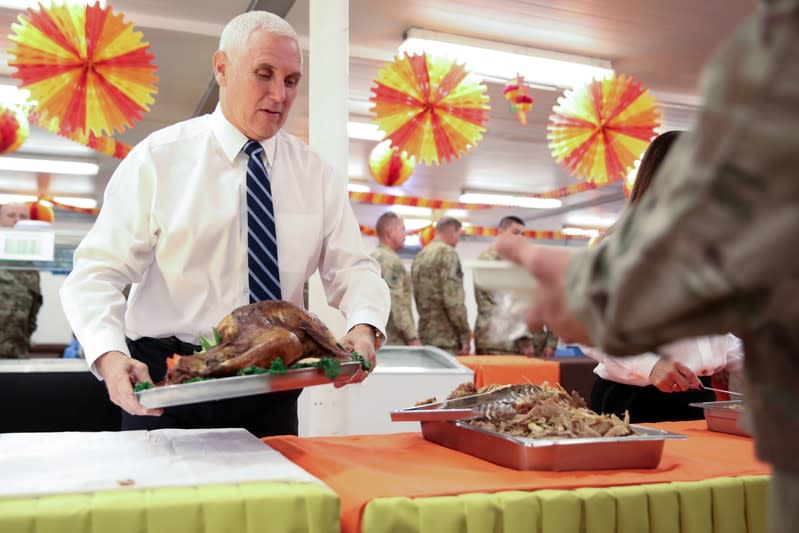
545	412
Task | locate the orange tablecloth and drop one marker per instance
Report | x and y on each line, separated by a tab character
511	369
362	468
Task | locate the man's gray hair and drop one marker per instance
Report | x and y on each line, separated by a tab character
238	30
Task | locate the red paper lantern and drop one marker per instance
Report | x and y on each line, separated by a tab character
40	210
519	97
390	166
14	129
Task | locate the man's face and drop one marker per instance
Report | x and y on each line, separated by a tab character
258	83
13	213
398	234
451	236
514	229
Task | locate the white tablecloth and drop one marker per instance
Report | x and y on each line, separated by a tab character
46	463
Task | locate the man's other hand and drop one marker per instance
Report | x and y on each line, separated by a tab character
120	372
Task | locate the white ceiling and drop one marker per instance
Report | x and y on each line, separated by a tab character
661	43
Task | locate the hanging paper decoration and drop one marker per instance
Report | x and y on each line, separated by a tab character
14	129
390	166
598	131
427	234
41	210
100	143
86	69
429	107
519	97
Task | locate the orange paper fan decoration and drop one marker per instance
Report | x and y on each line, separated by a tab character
390	166
427	234
598	131
429	107
86	69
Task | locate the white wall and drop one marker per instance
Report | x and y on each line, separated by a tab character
52	326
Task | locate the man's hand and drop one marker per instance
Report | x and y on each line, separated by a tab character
119	373
548	265
671	376
361	339
466	349
415	342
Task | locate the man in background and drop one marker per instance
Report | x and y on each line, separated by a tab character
391	233
489	340
20	296
437	280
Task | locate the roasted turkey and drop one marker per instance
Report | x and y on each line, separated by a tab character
256	335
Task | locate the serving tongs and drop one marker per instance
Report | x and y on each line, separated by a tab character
492	405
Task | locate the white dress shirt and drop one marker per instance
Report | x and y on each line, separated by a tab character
704	355
174	224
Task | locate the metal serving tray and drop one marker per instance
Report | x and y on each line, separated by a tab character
723	416
236	386
643	450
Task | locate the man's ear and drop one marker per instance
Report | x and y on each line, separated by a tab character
220	64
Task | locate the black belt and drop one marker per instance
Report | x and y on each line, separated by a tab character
169	344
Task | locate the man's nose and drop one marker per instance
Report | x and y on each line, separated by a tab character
277	91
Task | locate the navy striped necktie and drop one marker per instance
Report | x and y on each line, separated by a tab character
263	272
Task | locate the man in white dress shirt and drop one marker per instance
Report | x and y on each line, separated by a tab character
174	224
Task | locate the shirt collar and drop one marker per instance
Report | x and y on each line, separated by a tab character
232	140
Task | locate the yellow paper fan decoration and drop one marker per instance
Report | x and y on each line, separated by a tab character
429	107
598	131
86	68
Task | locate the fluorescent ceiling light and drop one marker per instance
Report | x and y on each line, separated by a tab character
86	203
412	210
503	61
48	166
416	223
510	200
456	213
25	4
365	131
16	198
13	95
580	232
591	221
358	187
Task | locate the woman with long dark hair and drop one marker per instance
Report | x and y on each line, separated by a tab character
656	387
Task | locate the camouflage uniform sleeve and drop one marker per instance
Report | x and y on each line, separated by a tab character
694	256
36	303
399	286
454	295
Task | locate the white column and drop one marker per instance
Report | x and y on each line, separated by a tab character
329	80
328	88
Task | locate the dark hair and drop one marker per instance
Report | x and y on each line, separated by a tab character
385	221
510	220
448	222
650	163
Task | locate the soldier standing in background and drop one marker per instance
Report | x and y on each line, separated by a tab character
438	289
540	343
391	232
20	296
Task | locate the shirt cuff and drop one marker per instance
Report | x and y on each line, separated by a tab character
100	344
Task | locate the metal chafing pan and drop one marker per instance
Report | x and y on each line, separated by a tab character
723	416
444	423
236	386
642	450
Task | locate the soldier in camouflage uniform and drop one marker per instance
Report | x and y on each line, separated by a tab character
391	232
20	297
540	343
709	249
438	289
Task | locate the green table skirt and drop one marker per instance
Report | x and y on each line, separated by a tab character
230	508
719	505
